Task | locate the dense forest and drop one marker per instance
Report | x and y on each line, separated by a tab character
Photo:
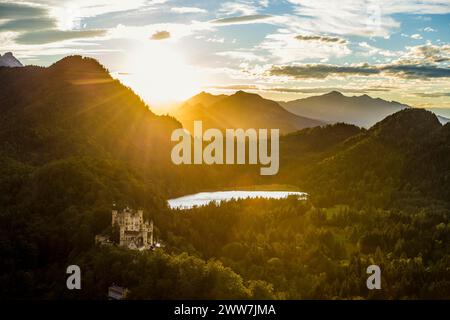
74	141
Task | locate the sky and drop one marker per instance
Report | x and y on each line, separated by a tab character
169	50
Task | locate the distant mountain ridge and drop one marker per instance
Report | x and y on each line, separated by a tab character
240	110
334	107
8	60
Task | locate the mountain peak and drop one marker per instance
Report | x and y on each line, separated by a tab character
203	94
80	67
204	98
409	123
8	60
334	93
244	94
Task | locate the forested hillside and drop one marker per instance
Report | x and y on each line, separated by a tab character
74	141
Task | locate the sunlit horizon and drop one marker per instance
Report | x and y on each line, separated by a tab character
283	50
159	75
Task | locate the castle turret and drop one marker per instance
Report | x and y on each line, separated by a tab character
114	217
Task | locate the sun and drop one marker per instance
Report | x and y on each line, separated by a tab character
159	74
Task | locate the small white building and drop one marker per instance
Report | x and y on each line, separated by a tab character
117	293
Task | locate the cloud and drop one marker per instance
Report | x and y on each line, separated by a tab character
241	7
430	53
160	35
25	24
286	47
416	36
321	39
429	29
323	71
49	36
329	89
242	55
320	71
371	50
187	10
363	18
215	39
17	11
234	87
176	31
251	87
69	13
242	19
416	71
433	94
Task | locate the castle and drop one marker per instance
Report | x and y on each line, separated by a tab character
134	233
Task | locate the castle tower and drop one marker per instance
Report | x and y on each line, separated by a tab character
151	233
122	239
114	217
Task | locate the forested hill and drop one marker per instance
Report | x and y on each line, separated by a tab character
74	107
405	156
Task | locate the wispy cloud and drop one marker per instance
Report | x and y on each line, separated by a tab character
370	50
366	18
429	29
25	24
48	36
11	10
238	7
322	71
429	53
318	90
320	38
432	94
242	19
287	47
242	56
184	10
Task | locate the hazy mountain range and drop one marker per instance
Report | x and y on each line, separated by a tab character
363	111
240	110
247	110
333	107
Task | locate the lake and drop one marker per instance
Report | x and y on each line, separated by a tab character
204	198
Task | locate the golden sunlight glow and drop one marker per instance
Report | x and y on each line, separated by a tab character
158	73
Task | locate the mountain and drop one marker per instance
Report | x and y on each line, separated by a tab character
240	110
74	108
334	107
8	60
206	99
